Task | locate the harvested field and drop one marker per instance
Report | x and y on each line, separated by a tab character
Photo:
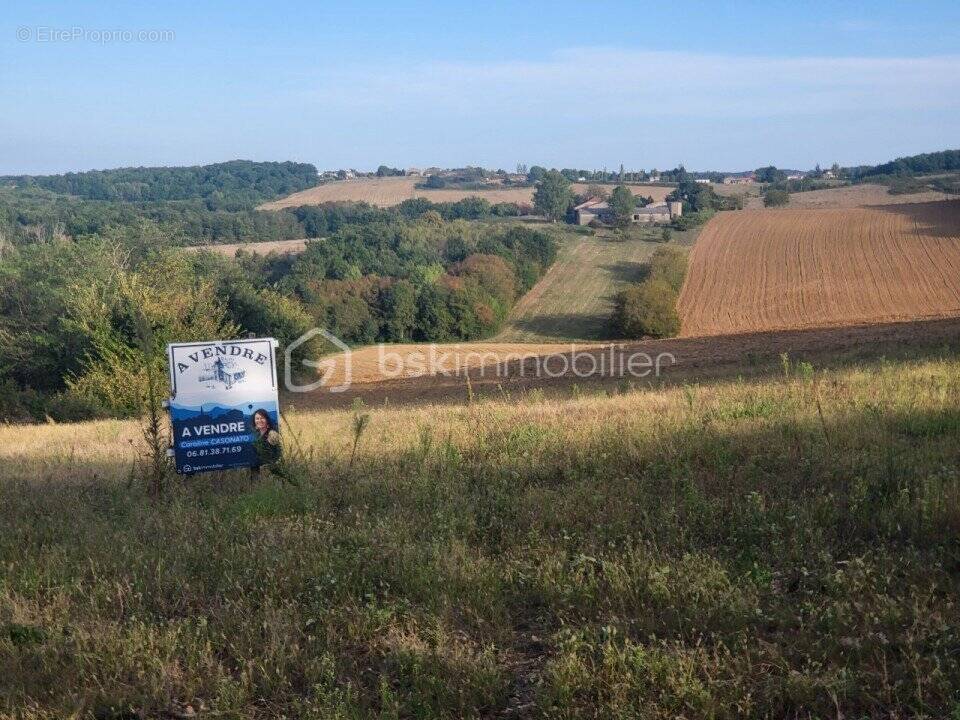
388	191
793	268
424	374
859	196
749	193
256	248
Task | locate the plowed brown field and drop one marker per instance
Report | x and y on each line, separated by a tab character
394	190
758	270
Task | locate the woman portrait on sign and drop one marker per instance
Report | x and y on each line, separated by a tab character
266	439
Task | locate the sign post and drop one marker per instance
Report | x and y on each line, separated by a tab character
223	396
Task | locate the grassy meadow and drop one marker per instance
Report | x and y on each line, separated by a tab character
788	547
597	264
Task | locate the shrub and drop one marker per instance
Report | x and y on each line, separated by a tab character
647	308
21	403
669	265
505	209
775	197
650	307
71	407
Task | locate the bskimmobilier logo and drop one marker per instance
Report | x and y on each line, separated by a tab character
325	367
390	362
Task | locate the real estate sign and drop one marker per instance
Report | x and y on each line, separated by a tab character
223	397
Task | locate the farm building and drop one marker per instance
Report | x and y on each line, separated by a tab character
597	209
739	180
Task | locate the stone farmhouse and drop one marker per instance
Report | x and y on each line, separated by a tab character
597	209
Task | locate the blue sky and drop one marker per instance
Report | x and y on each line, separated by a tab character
714	85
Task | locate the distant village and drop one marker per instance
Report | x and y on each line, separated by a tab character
523	176
593	206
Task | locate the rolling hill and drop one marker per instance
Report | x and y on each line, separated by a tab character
388	191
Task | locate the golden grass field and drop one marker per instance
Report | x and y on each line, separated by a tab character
859	196
779	547
795	268
839	197
255	248
388	191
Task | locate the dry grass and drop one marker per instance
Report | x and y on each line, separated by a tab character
779	549
256	248
789	268
388	191
573	301
839	197
859	196
749	193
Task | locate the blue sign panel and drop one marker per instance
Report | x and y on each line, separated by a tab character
224	408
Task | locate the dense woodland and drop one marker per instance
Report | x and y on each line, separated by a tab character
943	161
234	182
91	290
29	214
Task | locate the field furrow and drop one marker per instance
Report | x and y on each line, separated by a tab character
801	268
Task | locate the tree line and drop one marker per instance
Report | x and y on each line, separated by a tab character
30	214
942	161
221	184
82	320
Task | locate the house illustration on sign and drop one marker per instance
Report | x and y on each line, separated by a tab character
221	372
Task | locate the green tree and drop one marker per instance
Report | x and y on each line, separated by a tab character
552	196
434	320
536	173
623	204
769	174
776	197
130	319
647	309
670	265
400	308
